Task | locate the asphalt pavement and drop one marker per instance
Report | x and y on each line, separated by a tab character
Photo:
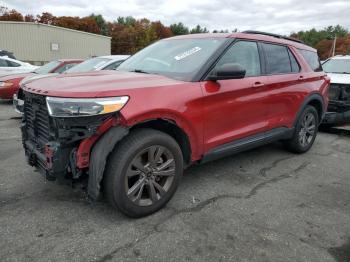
263	205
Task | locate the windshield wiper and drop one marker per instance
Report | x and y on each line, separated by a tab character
139	71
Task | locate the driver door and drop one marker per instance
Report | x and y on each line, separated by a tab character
235	108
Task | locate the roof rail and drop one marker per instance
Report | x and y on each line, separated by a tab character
273	35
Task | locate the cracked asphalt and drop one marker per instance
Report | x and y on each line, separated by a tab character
262	205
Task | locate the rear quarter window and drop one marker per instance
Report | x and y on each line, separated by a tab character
312	59
278	60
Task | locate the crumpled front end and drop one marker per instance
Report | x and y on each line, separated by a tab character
338	112
60	147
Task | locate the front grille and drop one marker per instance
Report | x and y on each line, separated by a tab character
36	119
339	92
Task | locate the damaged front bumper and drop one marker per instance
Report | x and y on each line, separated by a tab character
71	148
338	113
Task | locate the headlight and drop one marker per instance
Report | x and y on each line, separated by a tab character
5	84
73	107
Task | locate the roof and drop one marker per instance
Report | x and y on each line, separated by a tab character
260	37
52	26
70	60
115	57
340	57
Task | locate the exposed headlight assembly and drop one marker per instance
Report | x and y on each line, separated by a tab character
78	107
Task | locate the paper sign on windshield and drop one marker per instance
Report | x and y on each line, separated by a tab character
187	53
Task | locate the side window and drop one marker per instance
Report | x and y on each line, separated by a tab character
312	59
3	63
64	68
277	59
293	62
12	64
244	53
113	66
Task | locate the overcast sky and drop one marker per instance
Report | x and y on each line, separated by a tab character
277	16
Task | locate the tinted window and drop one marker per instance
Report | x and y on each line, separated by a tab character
47	68
65	67
277	59
12	64
113	66
89	65
293	62
245	54
312	59
3	63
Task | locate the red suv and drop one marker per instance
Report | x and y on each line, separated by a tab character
183	100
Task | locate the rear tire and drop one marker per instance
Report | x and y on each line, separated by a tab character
305	131
143	172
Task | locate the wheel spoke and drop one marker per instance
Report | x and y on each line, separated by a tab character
160	189
165	165
137	164
139	194
159	153
169	172
152	191
131	173
311	129
151	155
309	119
136	187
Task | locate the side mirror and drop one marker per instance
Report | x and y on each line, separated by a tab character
227	71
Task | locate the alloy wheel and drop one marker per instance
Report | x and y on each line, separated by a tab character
150	175
308	129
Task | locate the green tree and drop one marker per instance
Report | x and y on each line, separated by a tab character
313	36
101	23
127	21
179	29
199	30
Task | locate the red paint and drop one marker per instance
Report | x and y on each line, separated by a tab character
210	113
15	79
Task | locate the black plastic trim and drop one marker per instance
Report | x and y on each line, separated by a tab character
247	143
312	97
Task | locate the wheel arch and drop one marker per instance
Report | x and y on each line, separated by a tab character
172	129
315	100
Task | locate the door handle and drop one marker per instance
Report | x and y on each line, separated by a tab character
301	78
258	84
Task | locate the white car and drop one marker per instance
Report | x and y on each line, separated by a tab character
338	69
110	62
10	66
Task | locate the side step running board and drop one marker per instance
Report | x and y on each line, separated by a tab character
247	143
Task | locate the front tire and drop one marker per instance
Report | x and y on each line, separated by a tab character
143	172
305	131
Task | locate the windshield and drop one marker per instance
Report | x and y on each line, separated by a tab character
340	66
47	68
176	58
89	65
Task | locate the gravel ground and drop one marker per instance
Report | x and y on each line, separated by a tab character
262	205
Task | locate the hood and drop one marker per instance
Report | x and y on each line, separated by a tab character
13	76
339	78
33	77
96	84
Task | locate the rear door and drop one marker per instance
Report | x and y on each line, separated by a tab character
235	108
284	85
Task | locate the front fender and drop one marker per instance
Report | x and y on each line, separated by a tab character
194	134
